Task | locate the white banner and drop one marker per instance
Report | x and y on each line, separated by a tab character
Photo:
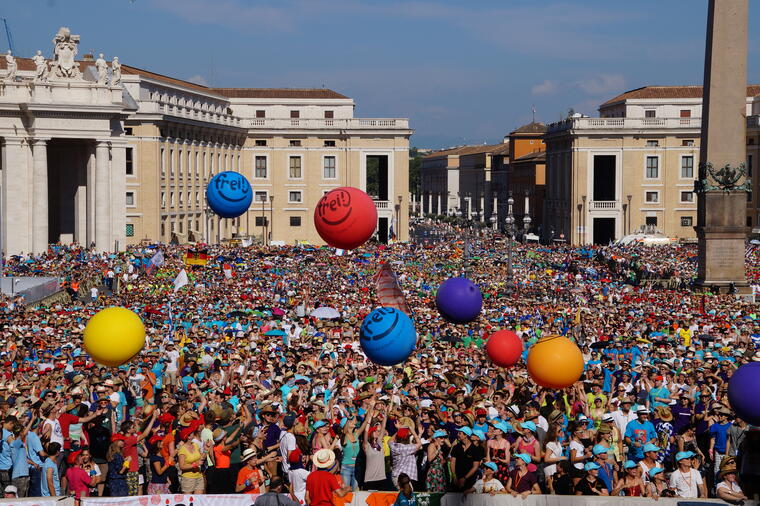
174	500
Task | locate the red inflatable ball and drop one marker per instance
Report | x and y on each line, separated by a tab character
504	348
345	218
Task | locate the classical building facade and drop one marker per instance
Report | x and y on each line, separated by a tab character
633	167
104	153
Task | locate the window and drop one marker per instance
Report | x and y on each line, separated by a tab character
261	167
687	197
180	194
653	167
261	221
687	167
652	197
687	221
295	167
171	199
295	197
329	168
171	162
329	144
130	199
650	113
653	143
749	196
687	142
161	162
329	114
128	131
260	113
295	114
260	196
130	230
195	168
686	113
197	198
261	142
128	165
180	227
295	221
163	199
295	142
651	220
749	165
749	221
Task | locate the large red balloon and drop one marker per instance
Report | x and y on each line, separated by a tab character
504	348
345	217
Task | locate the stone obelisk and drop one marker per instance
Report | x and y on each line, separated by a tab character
721	189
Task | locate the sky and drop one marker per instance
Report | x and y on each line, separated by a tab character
462	71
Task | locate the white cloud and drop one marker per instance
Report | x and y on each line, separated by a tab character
545	88
602	84
198	79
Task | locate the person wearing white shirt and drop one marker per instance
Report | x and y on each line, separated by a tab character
687	482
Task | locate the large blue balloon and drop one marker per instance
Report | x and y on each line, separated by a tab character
387	336
742	392
229	194
459	300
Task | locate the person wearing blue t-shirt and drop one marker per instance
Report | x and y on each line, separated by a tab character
20	471
6	452
659	395
638	433
34	449
51	483
719	437
406	494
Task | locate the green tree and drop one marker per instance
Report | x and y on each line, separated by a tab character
415	162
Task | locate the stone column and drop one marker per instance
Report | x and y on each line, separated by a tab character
102	198
40	228
90	197
721	204
15	213
118	173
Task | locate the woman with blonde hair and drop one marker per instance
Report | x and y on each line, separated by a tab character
116	479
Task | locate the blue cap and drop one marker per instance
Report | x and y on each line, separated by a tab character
481	435
529	425
466	430
599	449
655	470
440	433
491	466
649	447
505	427
523	456
320	423
629	464
591	465
343	422
683	455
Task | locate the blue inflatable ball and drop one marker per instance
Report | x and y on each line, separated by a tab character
387	336
742	392
229	194
459	300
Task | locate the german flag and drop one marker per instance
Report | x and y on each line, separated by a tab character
196	258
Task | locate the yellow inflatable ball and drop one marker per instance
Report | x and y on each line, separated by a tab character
113	336
555	362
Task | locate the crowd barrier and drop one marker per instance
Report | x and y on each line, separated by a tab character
374	499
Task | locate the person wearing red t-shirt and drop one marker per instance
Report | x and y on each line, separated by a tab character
321	484
80	481
249	478
66	420
131	439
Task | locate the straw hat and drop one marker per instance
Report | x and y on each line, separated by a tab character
324	459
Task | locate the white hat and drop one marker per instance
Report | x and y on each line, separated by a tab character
324	459
11	489
248	454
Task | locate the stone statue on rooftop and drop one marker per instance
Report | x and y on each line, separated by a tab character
65	65
11	66
41	66
115	71
102	67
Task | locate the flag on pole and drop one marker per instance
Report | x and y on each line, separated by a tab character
196	258
389	293
227	268
155	262
181	280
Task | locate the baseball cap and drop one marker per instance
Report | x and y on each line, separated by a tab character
523	456
466	430
491	466
529	425
590	466
11	489
649	447
599	449
683	455
481	435
629	464
439	433
655	470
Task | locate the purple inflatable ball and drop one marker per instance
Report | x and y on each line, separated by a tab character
459	300
742	392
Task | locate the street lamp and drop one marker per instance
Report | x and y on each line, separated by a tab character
263	223
625	218
580	227
398	212
510	229
209	213
271	218
629	212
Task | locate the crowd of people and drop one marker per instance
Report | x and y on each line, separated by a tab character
240	390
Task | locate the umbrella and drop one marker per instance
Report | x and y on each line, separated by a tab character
278	312
325	312
275	332
236	313
599	344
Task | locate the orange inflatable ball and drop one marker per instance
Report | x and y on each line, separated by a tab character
113	336
555	362
345	218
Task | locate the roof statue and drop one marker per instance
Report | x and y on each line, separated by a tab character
65	65
11	65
